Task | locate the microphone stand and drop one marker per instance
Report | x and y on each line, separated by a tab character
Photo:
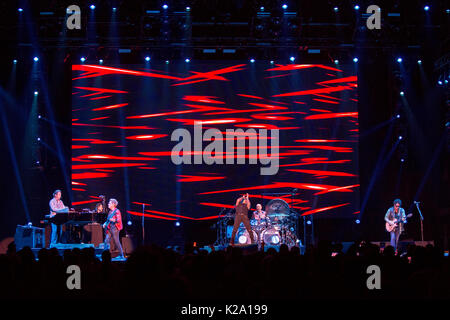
421	220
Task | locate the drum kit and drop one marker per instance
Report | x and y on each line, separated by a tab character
279	226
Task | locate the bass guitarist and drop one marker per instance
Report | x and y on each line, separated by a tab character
112	226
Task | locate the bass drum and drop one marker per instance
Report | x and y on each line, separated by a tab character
242	237
271	236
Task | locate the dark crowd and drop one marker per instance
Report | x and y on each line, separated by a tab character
152	272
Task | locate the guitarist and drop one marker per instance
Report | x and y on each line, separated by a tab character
113	225
395	215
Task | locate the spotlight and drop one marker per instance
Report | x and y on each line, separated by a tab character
20	9
147	58
399	60
188	9
357	221
448	10
36	93
445	81
177	224
336	61
402	93
36	59
426	8
37	162
92	7
165	6
129	222
356	7
167	61
114	9
15	61
82	59
336	9
400	137
100	61
292	59
419	61
402	160
397	116
187	60
38	139
261	9
252	60
308	222
355	59
271	62
284	6
39	116
440	82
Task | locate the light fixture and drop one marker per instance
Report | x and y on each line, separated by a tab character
355	59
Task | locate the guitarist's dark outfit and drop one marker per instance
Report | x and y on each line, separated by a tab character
113	229
400	216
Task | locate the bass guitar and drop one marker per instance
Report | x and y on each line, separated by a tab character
108	219
390	228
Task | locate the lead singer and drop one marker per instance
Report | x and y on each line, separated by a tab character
242	206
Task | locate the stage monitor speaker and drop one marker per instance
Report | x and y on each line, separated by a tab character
127	245
32	237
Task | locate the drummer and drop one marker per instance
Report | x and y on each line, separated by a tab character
259	214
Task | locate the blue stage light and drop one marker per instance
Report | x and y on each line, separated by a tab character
445	81
36	59
284	6
400	137
14	61
114	9
308	222
38	139
440	82
292	59
336	9
92	7
336	61
397	116
100	61
167	61
357	221
271	62
39	116
402	160
402	93
188	9
261	9
20	9
36	93
165	6
177	224
448	10
147	58
399	60
82	59
356	7
419	61
426	8
187	60
252	60
129	222
355	59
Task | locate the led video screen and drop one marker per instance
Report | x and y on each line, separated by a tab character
187	139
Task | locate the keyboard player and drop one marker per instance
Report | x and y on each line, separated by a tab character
56	206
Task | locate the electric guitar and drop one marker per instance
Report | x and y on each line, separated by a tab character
390	228
108	219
